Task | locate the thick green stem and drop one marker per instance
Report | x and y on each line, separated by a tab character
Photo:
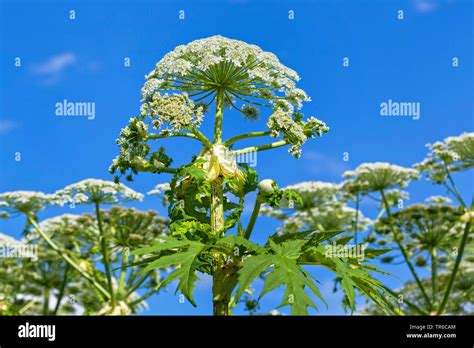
356	217
62	289
46	301
253	218
220	302
455	269
403	251
69	260
260	147
202	138
408	303
454	189
219	117
434	273
123	272
246	136
105	254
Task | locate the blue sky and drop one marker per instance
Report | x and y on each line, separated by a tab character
407	60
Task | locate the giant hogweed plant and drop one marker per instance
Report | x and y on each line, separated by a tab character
206	196
86	255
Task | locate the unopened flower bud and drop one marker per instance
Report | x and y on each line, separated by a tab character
266	187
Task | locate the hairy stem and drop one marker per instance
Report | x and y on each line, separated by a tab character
62	289
245	136
220	302
356	217
434	273
46	301
260	147
253	218
105	254
403	251
69	260
455	269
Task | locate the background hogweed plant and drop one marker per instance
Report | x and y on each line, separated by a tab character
206	196
84	256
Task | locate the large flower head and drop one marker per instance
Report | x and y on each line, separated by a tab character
240	70
438	225
25	201
91	191
316	193
378	176
453	154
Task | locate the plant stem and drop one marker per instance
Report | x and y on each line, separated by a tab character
201	137
454	188
62	289
409	304
434	272
220	302
245	136
260	147
455	269
356	217
402	249
253	218
105	255
46	301
70	261
123	271
219	117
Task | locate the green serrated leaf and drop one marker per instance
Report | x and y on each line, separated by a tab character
186	263
231	241
164	243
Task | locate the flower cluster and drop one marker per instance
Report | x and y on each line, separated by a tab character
378	176
7	241
97	191
135	154
26	201
244	69
439	200
295	131
453	154
176	111
160	189
316	193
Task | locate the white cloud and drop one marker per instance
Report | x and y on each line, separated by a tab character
52	70
425	6
6	126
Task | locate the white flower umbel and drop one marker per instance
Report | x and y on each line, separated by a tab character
160	189
25	201
246	70
378	176
91	191
8	241
439	200
61	221
451	155
316	193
